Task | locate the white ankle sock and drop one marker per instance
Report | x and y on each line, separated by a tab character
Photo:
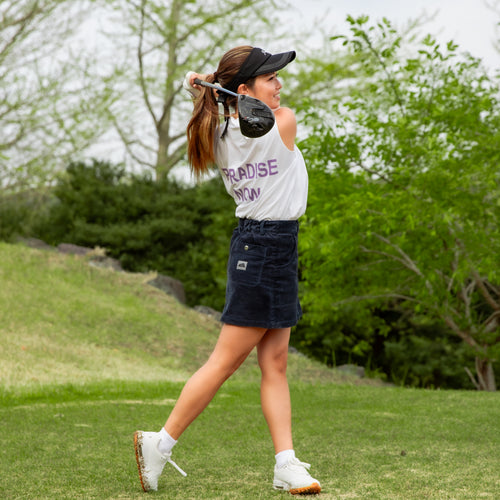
283	457
167	442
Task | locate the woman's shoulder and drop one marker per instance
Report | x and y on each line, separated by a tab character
285	114
287	126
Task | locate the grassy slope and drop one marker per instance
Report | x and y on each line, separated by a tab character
65	321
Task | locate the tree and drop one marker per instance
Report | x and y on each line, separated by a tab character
46	102
405	199
163	41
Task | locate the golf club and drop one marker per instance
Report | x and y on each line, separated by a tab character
256	118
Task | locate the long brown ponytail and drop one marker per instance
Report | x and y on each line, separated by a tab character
205	119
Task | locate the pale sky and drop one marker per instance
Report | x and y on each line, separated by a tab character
469	23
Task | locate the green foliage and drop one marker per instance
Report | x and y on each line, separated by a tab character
147	225
20	211
405	202
13	214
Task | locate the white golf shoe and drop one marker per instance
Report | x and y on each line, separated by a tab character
293	477
150	461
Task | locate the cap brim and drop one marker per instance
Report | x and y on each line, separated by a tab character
275	63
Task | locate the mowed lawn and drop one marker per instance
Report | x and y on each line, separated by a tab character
87	356
363	442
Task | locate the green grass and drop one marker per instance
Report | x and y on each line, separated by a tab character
87	356
64	321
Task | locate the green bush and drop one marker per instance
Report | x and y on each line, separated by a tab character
147	225
12	216
393	343
19	211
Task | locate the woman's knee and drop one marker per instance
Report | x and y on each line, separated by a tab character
274	363
223	367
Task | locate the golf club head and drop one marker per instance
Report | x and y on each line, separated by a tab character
256	118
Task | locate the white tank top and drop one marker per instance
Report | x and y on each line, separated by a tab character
265	178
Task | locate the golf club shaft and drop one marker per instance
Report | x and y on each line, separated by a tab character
206	84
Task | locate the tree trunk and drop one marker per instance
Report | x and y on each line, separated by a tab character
485	375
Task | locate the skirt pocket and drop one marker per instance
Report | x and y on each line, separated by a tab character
246	263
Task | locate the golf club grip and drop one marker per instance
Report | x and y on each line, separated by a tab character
203	83
199	82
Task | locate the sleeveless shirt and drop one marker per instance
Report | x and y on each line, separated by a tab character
265	178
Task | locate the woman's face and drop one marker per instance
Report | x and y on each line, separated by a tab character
267	89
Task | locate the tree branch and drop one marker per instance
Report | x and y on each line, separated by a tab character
21	23
492	323
360	298
472	378
405	259
465	294
127	143
484	291
463	335
390	79
140	56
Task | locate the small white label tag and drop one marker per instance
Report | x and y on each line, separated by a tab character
242	265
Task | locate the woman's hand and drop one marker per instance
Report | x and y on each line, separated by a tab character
193	76
189	84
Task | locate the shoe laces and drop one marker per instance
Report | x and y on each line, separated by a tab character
166	458
295	462
171	462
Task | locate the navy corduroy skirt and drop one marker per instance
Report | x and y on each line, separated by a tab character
262	275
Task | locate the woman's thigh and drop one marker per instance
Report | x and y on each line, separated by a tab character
234	345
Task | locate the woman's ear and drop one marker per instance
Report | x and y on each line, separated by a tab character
242	89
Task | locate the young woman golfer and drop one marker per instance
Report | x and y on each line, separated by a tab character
267	178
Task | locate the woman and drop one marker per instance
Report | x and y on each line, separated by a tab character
267	178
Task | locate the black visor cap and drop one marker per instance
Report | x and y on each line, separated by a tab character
260	62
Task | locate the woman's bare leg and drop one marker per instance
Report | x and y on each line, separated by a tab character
275	395
233	346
